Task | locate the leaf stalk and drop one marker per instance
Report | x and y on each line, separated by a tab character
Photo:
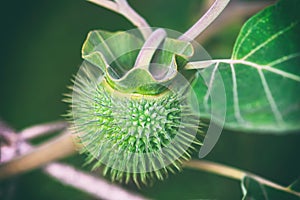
214	11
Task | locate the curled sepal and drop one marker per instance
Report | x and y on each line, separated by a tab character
124	59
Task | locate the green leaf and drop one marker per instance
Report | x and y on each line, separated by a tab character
253	189
262	79
295	186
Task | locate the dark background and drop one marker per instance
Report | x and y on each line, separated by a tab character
40	51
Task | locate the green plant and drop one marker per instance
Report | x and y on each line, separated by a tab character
265	55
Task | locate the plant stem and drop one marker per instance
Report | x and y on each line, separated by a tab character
214	11
42	129
268	67
150	46
65	174
59	147
99	188
216	168
236	11
233	173
63	146
122	7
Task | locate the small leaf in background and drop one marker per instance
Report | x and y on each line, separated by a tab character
255	190
295	186
262	79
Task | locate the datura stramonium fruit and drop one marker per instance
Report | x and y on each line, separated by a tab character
131	105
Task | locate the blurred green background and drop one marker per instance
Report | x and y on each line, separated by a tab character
40	51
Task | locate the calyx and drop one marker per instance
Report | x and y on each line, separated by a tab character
133	66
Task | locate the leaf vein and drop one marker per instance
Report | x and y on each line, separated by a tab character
270	98
246	35
273	37
206	97
237	112
208	63
283	59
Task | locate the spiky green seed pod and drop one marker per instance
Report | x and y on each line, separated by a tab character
140	132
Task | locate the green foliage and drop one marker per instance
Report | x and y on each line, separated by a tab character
295	186
255	189
262	79
57	26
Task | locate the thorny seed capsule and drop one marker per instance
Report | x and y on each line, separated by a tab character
131	134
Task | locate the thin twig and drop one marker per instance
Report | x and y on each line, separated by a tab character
42	129
59	147
97	187
8	149
214	11
7	133
236	11
8	142
65	174
233	173
63	146
149	48
106	4
122	7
